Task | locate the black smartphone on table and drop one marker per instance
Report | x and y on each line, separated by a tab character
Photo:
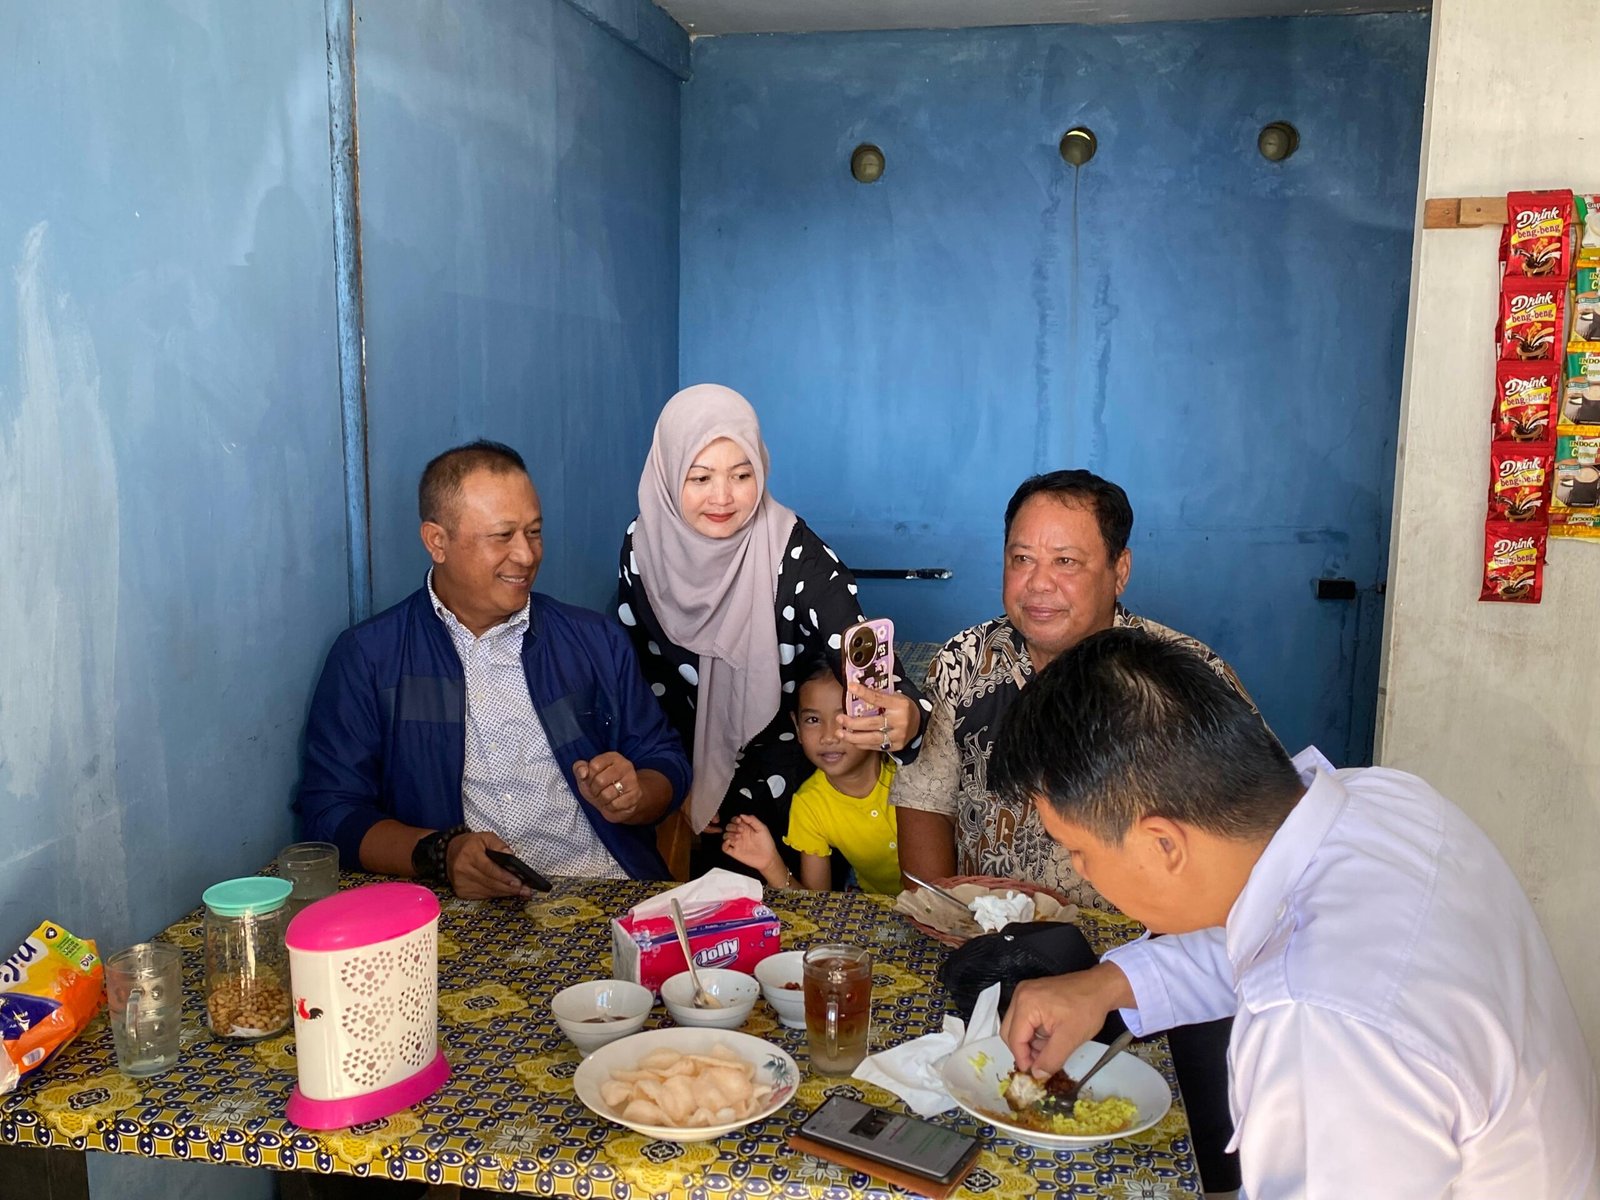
520	869
922	1148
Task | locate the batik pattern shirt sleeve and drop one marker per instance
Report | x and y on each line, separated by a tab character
972	682
933	782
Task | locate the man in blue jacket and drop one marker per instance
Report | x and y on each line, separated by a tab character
476	715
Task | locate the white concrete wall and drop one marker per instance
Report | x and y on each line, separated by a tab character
1498	705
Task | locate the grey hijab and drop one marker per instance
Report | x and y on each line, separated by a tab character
714	596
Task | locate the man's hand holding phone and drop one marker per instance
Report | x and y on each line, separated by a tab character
474	875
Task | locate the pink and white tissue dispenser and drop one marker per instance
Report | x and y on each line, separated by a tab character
364	969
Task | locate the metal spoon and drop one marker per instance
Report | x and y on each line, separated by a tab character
1066	1101
702	998
934	889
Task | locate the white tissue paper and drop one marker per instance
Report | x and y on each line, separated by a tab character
912	1069
716	886
728	926
996	912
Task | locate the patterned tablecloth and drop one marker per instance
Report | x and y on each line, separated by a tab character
508	1119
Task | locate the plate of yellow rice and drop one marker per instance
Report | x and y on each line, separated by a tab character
1127	1096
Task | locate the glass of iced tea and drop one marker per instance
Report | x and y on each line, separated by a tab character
838	988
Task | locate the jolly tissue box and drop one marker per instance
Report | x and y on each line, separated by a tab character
728	927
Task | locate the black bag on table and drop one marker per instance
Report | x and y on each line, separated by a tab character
1026	950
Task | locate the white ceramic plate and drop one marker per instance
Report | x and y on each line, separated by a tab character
773	1067
974	1076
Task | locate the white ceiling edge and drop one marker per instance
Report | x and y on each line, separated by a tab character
710	18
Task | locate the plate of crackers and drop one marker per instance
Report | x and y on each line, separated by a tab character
686	1084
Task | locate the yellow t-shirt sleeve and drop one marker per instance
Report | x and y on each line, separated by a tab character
807	814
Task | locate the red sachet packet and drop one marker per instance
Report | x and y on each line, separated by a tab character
1513	562
1537	240
1526	397
1532	320
1519	482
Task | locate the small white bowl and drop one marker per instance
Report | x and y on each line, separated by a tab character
735	989
626	1004
773	972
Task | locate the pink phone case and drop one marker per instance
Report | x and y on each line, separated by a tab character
867	654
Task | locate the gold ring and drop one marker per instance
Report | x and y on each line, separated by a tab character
618	786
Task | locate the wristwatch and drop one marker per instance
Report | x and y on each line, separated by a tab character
428	856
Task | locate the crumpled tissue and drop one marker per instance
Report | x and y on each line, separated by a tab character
993	912
912	1069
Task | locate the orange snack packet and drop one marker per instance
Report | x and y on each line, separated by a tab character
49	990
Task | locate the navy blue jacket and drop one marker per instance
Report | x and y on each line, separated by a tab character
386	735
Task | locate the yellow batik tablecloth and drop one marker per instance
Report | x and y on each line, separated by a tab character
508	1119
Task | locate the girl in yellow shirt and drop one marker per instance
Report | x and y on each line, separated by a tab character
843	806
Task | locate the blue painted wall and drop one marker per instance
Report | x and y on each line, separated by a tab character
1219	334
519	199
169	462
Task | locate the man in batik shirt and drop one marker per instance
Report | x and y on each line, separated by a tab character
1066	562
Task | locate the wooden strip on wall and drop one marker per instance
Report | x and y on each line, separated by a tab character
1483	210
1441	214
1463	212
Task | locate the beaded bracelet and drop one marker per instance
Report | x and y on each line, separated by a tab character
429	859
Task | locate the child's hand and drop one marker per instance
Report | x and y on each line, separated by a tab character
749	841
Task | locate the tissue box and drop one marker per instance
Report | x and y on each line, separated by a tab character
728	927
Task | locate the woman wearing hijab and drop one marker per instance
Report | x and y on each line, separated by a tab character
727	594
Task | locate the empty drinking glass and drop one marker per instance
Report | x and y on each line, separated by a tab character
313	868
144	991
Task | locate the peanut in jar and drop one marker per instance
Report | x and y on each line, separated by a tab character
247	964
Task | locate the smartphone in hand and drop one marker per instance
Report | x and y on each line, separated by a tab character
867	655
520	869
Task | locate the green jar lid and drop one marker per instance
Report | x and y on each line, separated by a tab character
254	894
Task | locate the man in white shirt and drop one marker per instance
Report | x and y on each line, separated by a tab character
1400	1027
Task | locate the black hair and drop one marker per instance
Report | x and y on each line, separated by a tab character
813	668
440	486
1125	726
1106	500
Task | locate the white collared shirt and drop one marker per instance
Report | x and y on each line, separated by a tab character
1400	1027
511	783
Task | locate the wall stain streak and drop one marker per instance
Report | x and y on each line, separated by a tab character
1044	300
1107	314
60	543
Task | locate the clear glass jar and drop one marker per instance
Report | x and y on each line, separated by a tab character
247	964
